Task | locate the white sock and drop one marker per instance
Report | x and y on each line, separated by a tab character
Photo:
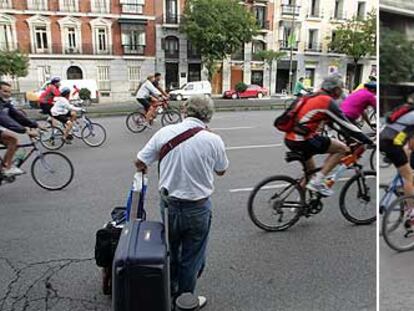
319	177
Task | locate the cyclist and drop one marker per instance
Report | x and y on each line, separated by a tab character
47	96
64	112
156	83
362	85
311	116
354	105
300	88
12	120
397	142
148	94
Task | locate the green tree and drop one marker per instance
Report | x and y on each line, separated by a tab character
217	28
13	64
357	39
269	56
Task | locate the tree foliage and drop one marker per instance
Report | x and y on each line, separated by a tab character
356	37
14	64
270	55
217	28
397	54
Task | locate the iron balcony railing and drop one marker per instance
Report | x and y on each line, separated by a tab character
288	9
5	4
84	48
37	5
285	45
133	49
132	7
313	47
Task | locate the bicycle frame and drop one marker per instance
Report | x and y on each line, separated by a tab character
392	189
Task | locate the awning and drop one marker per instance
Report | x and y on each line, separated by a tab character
132	21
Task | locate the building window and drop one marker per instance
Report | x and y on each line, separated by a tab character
74	73
132	6
134	41
314	8
101	29
41	43
100	6
339	9
260	13
171	10
6	38
43	74
69	5
194	72
361	9
257	77
104	83
309	77
238	55
192	52
5	4
134	77
312	44
71	37
172	49
257	46
37	5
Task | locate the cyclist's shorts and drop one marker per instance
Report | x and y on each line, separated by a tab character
395	154
316	145
144	102
64	118
46	108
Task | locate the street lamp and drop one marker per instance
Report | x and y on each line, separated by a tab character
291	49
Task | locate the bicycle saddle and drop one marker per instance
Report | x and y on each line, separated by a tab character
294	156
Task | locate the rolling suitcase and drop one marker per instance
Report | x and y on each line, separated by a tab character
140	272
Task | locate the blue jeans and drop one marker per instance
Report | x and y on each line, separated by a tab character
189	226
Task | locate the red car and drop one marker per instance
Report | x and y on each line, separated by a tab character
252	90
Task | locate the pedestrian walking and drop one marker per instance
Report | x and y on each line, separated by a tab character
189	156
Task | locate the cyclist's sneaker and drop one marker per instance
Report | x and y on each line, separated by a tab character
319	187
13	171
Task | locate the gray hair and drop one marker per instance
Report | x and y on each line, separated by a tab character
200	107
333	81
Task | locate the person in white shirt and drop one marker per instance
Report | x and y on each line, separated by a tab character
186	183
64	112
147	95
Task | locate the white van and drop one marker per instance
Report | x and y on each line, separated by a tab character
190	89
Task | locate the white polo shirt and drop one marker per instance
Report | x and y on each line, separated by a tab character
187	171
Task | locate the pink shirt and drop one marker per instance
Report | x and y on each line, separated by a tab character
355	104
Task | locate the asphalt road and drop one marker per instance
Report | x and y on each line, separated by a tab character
396	273
47	239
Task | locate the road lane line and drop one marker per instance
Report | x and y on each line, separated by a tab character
284	185
254	146
232	128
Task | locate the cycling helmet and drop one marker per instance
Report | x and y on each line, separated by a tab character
64	91
372	85
55	80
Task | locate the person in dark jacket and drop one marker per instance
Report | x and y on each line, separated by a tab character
13	120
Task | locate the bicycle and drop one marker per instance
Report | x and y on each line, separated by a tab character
45	168
136	121
91	133
300	202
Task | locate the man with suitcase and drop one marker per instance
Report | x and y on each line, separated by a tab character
189	155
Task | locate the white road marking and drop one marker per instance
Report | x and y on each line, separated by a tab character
284	185
232	128
254	147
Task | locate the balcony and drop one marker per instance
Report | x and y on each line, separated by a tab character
315	14
10	46
339	16
99	6
263	25
172	54
133	49
68	6
132	8
86	48
284	45
5	4
37	5
171	18
192	54
313	47
290	10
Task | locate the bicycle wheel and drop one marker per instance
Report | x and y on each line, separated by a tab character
276	203
170	116
357	200
93	134
135	122
373	159
397	228
52	170
52	139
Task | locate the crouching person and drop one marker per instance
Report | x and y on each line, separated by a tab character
64	112
189	155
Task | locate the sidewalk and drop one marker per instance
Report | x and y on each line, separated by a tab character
112	109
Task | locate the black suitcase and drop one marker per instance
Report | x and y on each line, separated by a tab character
140	270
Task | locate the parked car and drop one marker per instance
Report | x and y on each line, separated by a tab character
252	91
190	89
33	96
